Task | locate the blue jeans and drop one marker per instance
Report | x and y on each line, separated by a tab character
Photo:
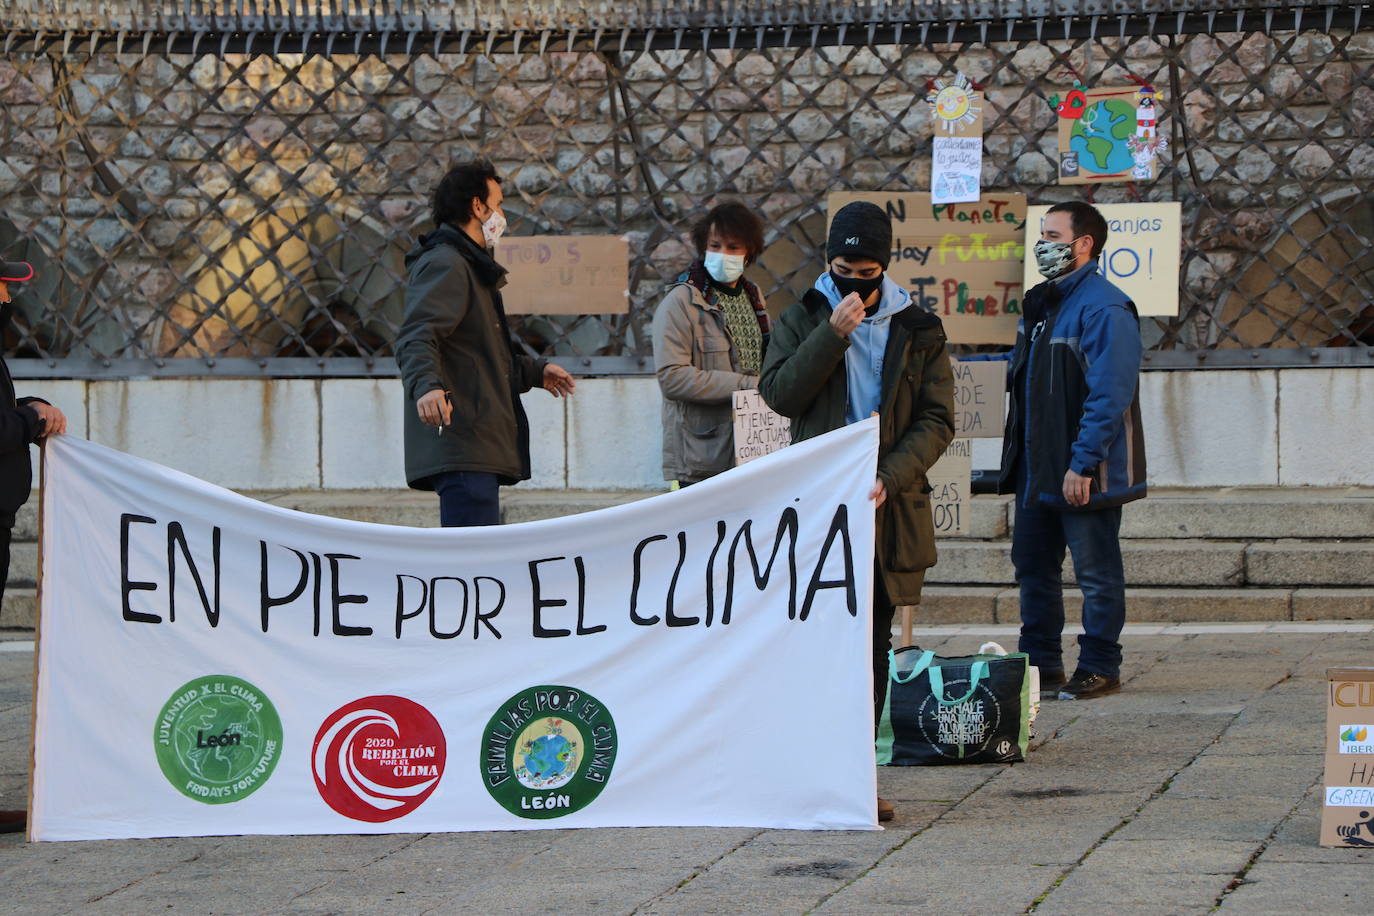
468	499
1037	553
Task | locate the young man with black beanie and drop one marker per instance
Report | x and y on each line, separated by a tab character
856	345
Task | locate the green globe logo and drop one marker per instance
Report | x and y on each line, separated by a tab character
548	751
217	739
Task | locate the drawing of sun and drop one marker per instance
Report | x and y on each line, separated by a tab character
955	103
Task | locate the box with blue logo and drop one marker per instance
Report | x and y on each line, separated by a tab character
1348	789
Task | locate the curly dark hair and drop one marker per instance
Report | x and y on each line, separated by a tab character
734	221
452	200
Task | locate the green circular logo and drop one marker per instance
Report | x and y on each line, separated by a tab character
218	739
548	751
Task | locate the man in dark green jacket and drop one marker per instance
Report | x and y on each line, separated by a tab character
465	430
857	344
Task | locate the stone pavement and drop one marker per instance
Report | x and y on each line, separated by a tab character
1192	790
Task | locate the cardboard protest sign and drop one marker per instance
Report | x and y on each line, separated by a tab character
212	665
565	274
1141	255
956	166
1108	134
758	430
1348	793
980	389
950	488
963	261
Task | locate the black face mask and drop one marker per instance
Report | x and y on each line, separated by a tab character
864	288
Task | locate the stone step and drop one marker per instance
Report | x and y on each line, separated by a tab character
1147	563
19	610
984	604
1251	514
1183	563
1247	514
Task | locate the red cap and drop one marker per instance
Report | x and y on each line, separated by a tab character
15	271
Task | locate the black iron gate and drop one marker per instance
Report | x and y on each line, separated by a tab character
228	188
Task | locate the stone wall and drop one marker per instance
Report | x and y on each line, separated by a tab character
259	206
1289	428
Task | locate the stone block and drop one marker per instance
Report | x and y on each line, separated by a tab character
23	564
1323	563
411	508
1333	604
987	518
972	563
1210	428
1249	514
238	433
20	609
1185	563
67	395
1172	605
946	604
1147	562
614	435
1320	443
548	418
361	438
987	453
537	505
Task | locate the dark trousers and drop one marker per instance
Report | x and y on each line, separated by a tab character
883	610
1037	553
468	499
5	534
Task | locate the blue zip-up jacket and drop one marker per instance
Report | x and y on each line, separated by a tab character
1075	394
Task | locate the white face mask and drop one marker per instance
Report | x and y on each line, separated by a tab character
724	268
494	228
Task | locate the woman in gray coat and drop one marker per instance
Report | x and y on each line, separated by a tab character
710	333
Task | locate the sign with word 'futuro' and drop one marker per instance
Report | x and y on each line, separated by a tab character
961	261
212	665
1141	255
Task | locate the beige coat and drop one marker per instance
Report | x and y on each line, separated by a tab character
698	370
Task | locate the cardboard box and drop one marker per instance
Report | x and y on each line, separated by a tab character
1348	788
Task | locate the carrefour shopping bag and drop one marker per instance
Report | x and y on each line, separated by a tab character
964	709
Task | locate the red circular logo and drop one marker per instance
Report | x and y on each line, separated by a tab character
378	758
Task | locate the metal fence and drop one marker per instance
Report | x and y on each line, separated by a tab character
234	193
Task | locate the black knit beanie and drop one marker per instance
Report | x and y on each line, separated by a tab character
863	230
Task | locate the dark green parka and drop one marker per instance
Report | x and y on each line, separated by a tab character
454	336
804	379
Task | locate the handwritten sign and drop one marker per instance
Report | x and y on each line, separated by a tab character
956	166
950	488
1104	137
979	398
758	430
1141	255
956	169
1348	785
565	274
962	261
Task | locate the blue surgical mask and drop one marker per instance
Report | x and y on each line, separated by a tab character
724	268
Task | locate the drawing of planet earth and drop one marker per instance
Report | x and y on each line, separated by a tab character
1099	137
548	758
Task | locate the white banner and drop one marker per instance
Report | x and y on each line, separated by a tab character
213	665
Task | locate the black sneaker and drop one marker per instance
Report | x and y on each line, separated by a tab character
1051	679
1088	686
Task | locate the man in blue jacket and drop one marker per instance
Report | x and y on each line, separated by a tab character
1073	451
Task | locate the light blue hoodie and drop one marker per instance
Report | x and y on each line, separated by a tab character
863	361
